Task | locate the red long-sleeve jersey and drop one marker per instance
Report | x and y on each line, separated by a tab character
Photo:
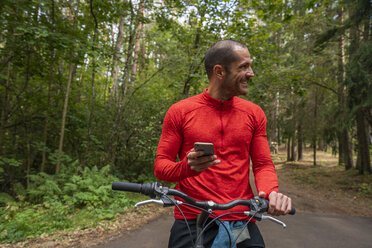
237	128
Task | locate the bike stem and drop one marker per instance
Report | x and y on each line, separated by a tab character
200	221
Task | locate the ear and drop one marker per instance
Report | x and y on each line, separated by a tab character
219	71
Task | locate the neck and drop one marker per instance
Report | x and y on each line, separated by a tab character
217	93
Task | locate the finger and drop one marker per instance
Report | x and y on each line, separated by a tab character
202	166
278	206
199	167
262	194
289	206
191	151
272	202
195	154
284	205
204	159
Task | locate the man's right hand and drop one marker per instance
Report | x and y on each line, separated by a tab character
199	162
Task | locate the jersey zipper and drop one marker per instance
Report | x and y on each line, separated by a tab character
221	125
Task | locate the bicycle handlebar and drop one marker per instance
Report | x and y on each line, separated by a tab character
156	189
146	189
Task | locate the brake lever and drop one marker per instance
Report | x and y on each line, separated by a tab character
265	217
142	203
165	202
260	216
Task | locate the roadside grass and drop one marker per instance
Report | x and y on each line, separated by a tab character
67	201
21	222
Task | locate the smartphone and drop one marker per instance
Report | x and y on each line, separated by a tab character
208	148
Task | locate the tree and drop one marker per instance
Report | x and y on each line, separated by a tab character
105	72
357	86
71	69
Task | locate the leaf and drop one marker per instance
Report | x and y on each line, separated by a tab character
10	162
5	198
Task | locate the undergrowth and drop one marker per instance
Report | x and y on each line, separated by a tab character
349	180
75	198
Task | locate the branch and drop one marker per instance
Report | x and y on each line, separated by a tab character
5	62
94	16
145	82
21	122
361	12
324	86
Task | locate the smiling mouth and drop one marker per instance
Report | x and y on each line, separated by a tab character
246	81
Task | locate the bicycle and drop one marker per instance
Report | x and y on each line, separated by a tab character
256	205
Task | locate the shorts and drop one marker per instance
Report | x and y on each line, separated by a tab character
180	235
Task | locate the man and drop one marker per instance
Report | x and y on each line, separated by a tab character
237	128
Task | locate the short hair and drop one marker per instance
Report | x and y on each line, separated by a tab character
221	53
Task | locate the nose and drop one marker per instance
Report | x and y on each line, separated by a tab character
249	73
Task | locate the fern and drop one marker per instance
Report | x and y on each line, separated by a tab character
74	198
5	198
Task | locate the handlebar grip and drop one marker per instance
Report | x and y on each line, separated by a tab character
124	186
293	211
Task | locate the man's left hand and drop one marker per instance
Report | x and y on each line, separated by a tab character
279	204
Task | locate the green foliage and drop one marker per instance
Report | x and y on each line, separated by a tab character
365	189
43	186
63	201
359	81
5	198
40	41
74	187
7	164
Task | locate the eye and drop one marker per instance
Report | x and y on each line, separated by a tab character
245	66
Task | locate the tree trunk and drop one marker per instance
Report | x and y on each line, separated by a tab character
28	166
321	146
117	55
71	70
277	135
50	84
273	142
315	135
118	116
4	109
25	124
129	58
62	132
137	48
294	133
300	143
91	115
294	146
348	152
341	156
368	115
46	124
116	58
359	162
314	151
345	152
363	143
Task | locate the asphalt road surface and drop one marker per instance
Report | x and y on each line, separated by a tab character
304	230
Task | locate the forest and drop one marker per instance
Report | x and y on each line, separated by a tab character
85	85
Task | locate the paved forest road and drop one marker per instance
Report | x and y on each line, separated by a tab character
304	230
